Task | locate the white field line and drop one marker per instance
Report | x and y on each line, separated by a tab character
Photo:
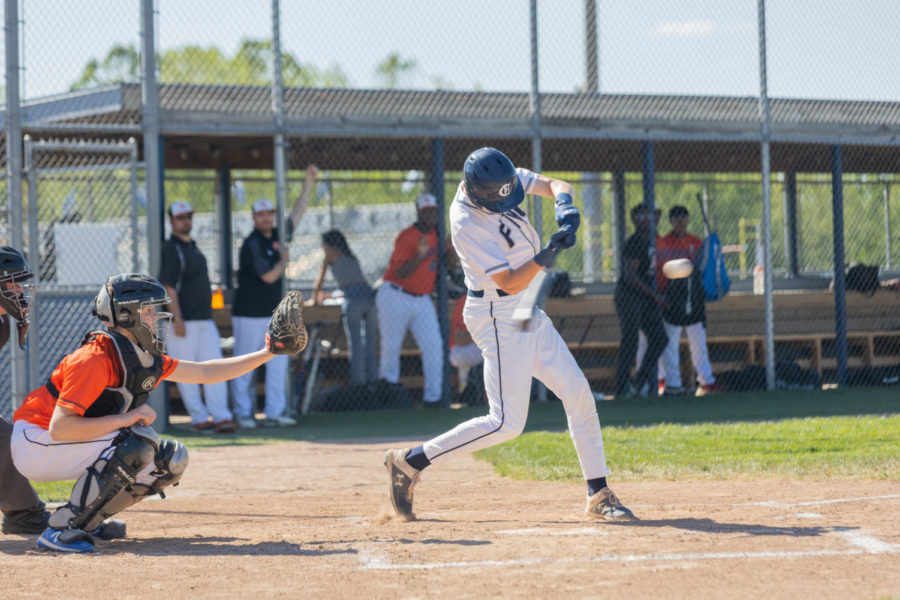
816	502
868	543
626	558
864	543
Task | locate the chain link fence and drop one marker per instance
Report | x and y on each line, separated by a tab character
656	106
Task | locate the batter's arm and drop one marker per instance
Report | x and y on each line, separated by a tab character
551	188
515	280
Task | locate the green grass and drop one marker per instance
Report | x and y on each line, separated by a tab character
810	448
643	436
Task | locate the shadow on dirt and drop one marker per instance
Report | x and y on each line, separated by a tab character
710	526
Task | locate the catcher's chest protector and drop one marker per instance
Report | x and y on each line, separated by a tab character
136	385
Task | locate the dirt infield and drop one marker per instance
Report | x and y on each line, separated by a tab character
308	520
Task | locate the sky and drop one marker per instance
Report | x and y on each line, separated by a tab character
825	49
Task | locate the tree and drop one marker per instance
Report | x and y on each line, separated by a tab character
392	68
121	65
198	65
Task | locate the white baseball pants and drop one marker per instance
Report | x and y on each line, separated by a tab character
669	360
250	336
397	312
511	357
200	343
39	457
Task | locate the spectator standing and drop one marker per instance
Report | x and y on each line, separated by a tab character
638	305
260	280
185	275
686	299
404	300
358	310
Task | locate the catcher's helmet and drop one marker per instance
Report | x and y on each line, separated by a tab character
14	295
130	301
491	180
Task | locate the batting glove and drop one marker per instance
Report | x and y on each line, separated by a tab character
558	241
566	213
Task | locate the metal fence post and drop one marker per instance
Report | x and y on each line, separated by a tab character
840	297
153	170
766	199
34	254
436	185
133	176
14	177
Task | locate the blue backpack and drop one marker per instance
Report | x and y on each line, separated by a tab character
712	266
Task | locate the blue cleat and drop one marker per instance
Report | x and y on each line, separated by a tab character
66	540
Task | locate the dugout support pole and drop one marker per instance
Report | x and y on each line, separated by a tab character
840	284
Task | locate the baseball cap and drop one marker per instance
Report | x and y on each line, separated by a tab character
262	204
179	208
426	201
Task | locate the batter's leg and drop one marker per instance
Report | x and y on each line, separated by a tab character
555	366
508	356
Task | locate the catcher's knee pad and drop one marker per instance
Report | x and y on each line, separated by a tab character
106	487
171	461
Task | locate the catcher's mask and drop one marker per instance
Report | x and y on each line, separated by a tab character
134	302
491	180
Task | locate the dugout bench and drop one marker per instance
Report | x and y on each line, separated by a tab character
804	333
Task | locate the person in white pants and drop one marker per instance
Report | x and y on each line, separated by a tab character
248	331
500	255
404	301
686	309
260	288
185	275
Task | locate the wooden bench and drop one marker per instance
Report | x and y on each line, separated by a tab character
804	333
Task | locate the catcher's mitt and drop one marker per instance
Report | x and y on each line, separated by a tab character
286	333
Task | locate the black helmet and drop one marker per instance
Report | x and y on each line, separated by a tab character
120	303
13	270
491	180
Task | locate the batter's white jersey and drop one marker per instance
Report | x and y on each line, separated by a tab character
488	243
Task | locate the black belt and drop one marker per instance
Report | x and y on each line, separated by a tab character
400	289
480	293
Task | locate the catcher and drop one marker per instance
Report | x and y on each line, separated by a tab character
90	422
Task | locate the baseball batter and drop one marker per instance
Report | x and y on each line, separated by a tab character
501	253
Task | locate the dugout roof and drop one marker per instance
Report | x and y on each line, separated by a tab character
212	126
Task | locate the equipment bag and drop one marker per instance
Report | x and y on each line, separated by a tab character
712	265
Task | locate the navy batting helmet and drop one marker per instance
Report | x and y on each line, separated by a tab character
491	180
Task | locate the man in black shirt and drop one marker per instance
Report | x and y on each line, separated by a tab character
260	288
194	334
638	305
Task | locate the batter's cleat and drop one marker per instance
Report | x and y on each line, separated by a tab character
605	506
66	540
403	479
29	521
110	529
